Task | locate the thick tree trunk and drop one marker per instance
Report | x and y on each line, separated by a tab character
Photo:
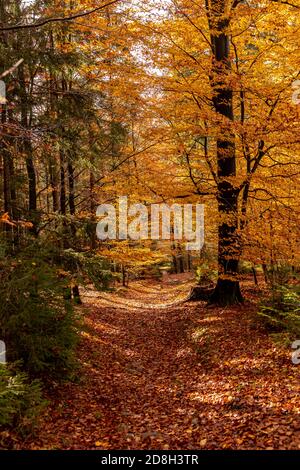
227	290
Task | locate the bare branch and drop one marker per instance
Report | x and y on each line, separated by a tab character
12	69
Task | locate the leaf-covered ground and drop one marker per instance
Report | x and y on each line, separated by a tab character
160	374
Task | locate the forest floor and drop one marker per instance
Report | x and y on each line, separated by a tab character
160	374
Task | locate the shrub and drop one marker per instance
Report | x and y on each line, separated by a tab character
88	267
246	267
205	274
37	324
282	310
281	274
20	400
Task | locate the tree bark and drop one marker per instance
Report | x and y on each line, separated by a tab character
93	208
27	148
9	192
54	183
62	183
32	192
71	189
227	290
254	275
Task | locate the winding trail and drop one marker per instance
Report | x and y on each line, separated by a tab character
156	374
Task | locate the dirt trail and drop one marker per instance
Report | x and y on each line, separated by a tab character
157	376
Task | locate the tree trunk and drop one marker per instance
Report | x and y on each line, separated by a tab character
71	177
32	193
175	267
200	293
27	148
32	196
93	208
180	260
62	183
72	196
7	183
54	183
71	188
227	290
9	192
255	275
123	276
76	295
266	274
189	262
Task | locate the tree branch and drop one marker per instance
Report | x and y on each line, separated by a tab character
58	19
286	2
12	69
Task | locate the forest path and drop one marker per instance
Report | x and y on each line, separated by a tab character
157	374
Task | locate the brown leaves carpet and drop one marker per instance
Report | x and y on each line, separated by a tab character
160	374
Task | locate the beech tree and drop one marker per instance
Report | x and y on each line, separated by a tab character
224	89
